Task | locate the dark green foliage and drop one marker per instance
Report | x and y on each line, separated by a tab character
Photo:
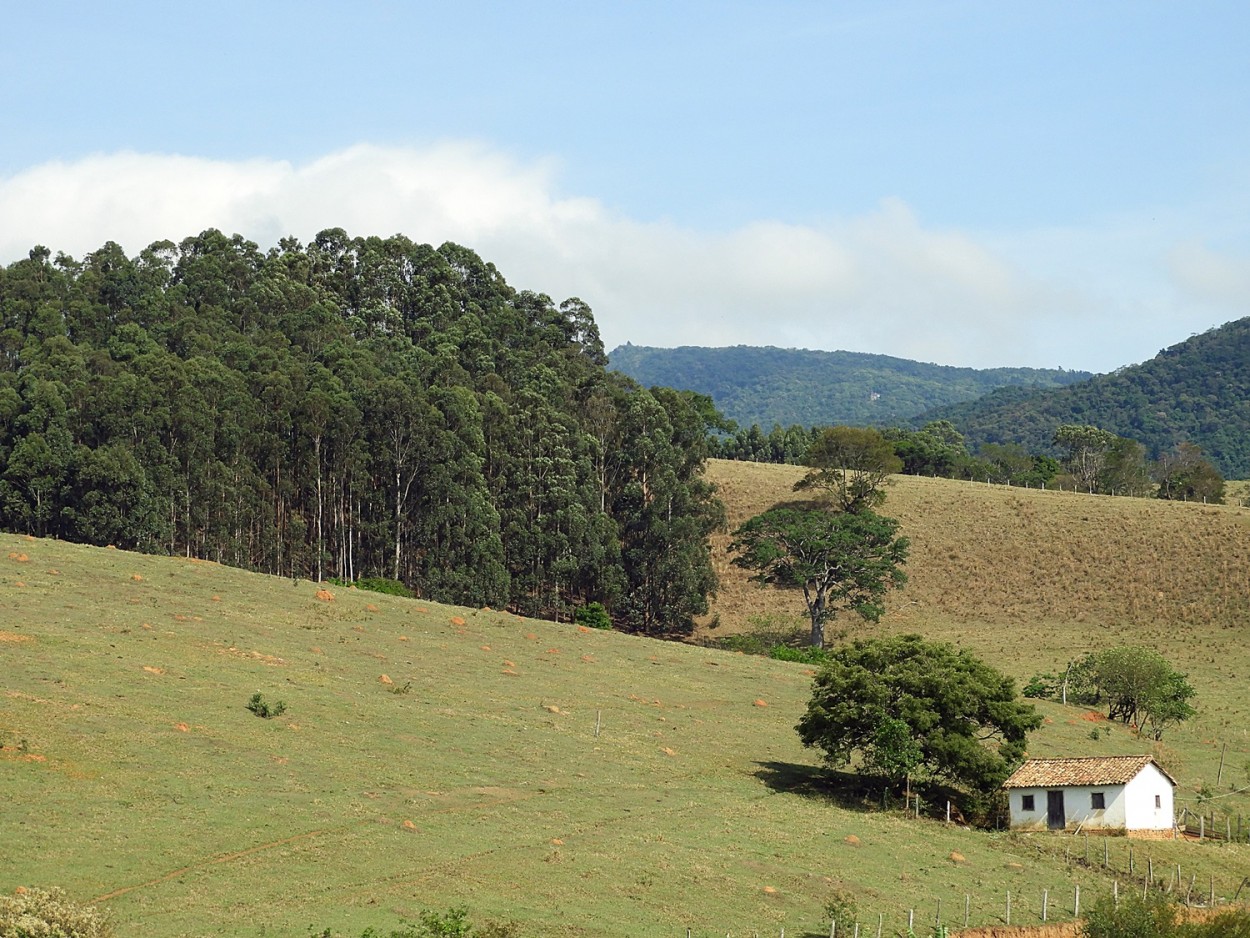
380	584
785	387
263	709
839	561
593	616
357	409
903	704
805	654
1195	392
1184	475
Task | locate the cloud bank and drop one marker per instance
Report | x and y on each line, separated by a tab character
880	282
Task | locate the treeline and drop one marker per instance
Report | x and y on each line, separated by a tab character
1089	458
799	386
1196	392
354	407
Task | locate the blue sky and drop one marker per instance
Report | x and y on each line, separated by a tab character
972	182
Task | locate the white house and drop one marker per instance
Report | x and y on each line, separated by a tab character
1106	793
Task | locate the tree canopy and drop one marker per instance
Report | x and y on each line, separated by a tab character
850	465
903	704
358	406
839	560
1138	686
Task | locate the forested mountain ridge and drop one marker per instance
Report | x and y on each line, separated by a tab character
356	407
1197	391
767	386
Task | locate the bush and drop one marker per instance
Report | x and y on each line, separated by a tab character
259	706
46	913
593	615
454	923
1134	917
807	654
375	584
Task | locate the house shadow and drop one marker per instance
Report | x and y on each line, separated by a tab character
842	789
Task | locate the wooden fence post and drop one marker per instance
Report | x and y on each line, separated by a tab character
1076	902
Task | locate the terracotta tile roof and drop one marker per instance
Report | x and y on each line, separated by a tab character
1099	770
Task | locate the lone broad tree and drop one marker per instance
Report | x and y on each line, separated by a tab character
841	561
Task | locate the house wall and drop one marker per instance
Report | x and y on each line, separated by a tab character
1130	806
1076	806
1140	810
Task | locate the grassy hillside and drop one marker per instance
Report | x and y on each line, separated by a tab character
133	774
1030	580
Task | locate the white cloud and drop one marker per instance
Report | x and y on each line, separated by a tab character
880	282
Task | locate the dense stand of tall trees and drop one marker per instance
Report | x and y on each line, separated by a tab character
353	407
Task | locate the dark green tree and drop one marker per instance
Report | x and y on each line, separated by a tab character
840	561
903	703
1185	475
1085	451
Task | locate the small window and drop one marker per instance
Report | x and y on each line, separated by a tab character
1158	801
1026	803
1097	800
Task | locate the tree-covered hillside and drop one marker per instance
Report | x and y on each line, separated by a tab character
355	407
768	386
1197	391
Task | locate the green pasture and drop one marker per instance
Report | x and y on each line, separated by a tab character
132	773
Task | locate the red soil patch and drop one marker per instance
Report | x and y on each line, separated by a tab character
532	637
485	648
851	839
370	607
510	672
152	670
509	664
409	826
403	638
1093	716
457	620
216	599
136	577
325	596
590	659
760	703
553	651
583	628
383	679
667	751
182	728
19	584
422	609
14	637
770	890
557	842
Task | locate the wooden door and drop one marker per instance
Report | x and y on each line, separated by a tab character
1056	817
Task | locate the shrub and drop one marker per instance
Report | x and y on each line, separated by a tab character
380	584
454	923
807	654
841	909
262	708
36	913
593	615
1133	917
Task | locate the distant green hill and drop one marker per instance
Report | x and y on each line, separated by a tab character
798	386
1197	391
